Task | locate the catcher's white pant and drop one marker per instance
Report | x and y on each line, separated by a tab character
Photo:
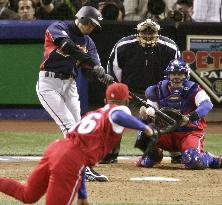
60	99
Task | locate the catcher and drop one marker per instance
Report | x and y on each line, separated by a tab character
175	95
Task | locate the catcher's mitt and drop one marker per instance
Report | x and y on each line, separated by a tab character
165	127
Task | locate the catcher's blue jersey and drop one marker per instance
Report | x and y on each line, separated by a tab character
178	99
188	99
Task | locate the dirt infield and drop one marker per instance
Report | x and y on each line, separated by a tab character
29	126
194	186
50	126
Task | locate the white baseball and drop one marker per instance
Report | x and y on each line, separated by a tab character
150	111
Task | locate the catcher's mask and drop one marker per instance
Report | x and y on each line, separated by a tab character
89	13
148	33
180	72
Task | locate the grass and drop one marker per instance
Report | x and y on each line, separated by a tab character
213	143
10	201
32	144
24	143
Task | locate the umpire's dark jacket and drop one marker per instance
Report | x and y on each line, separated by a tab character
140	67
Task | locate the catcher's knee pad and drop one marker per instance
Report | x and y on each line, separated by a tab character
193	159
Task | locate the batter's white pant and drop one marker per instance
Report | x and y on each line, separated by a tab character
60	99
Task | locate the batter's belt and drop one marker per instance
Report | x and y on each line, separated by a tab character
61	76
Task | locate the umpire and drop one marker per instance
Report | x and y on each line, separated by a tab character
139	61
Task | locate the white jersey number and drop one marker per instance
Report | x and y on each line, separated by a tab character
88	124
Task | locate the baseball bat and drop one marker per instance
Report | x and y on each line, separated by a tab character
172	123
158	112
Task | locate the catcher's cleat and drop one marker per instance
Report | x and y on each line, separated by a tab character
217	162
214	162
208	160
92	175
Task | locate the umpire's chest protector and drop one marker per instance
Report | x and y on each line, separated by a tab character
141	67
182	100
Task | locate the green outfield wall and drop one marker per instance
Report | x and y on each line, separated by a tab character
21	47
19	73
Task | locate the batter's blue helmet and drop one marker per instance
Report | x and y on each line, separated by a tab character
89	13
178	65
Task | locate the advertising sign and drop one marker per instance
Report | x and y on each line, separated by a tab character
204	54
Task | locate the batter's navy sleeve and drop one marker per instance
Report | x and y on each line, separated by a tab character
69	47
93	51
82	194
125	120
58	30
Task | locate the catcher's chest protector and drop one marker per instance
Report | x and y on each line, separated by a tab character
181	100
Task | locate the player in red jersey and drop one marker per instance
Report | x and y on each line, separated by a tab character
59	173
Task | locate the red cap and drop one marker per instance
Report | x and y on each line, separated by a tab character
117	91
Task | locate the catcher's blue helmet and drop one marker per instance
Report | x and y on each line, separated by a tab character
178	65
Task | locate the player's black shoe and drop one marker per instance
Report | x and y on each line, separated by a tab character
92	175
176	159
109	159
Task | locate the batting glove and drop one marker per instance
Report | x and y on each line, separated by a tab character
106	79
99	71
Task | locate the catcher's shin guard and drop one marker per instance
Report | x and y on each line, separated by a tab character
194	159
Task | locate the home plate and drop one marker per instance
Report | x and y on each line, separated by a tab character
167	179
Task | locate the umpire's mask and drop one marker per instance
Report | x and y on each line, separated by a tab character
148	33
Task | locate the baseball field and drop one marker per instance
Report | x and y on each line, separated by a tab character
165	184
